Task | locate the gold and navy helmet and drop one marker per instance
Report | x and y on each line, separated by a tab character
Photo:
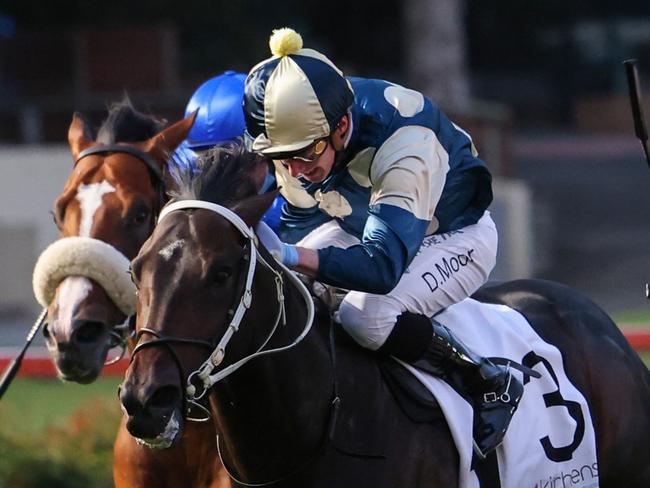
294	98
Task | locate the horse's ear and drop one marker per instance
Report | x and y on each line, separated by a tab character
251	209
163	144
79	136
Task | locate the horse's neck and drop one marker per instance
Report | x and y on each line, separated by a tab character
276	409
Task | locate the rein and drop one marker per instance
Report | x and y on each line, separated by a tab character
334	414
206	374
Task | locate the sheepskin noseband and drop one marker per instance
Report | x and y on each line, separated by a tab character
84	256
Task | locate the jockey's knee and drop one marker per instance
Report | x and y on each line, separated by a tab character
367	318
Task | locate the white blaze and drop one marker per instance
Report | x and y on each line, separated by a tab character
168	250
72	291
90	199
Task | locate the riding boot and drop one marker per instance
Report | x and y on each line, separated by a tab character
492	390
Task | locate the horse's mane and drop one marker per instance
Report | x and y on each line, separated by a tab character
126	124
222	175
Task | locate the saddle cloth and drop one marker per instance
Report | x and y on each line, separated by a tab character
551	441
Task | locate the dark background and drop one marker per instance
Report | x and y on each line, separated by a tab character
538	57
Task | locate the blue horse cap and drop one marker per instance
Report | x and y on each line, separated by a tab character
293	98
220	117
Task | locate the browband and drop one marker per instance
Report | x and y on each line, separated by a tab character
123	148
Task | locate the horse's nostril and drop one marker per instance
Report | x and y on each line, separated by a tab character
129	401
46	331
164	397
88	331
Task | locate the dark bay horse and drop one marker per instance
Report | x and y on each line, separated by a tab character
211	319
113	195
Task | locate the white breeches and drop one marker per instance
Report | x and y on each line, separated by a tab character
447	268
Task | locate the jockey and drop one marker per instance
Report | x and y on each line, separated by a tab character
385	197
220	119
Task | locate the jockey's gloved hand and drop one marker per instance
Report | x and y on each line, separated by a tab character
287	254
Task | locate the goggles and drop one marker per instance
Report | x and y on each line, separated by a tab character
308	155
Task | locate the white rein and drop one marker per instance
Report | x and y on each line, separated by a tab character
206	373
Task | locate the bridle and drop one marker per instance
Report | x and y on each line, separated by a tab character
125	149
154	168
121	333
206	375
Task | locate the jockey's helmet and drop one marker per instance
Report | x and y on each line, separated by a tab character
220	117
293	98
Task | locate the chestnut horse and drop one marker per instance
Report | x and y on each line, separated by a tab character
113	195
218	316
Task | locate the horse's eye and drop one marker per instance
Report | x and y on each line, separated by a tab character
219	276
141	217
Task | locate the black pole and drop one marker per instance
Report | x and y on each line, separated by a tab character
14	366
637	107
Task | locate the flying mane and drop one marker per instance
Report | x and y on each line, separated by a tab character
126	124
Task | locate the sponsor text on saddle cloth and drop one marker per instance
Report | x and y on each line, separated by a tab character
550	442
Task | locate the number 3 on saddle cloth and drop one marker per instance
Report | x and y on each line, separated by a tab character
541	442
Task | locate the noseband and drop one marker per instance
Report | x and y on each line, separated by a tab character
206	374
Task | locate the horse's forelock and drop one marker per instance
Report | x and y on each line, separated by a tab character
223	175
126	124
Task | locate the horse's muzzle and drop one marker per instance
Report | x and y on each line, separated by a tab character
155	419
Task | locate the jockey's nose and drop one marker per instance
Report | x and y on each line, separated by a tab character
296	168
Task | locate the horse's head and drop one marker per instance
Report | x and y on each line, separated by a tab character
191	274
106	211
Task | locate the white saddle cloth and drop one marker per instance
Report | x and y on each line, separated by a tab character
545	446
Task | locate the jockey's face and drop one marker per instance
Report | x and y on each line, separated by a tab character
315	170
317	164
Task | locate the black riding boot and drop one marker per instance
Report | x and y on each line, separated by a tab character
491	389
